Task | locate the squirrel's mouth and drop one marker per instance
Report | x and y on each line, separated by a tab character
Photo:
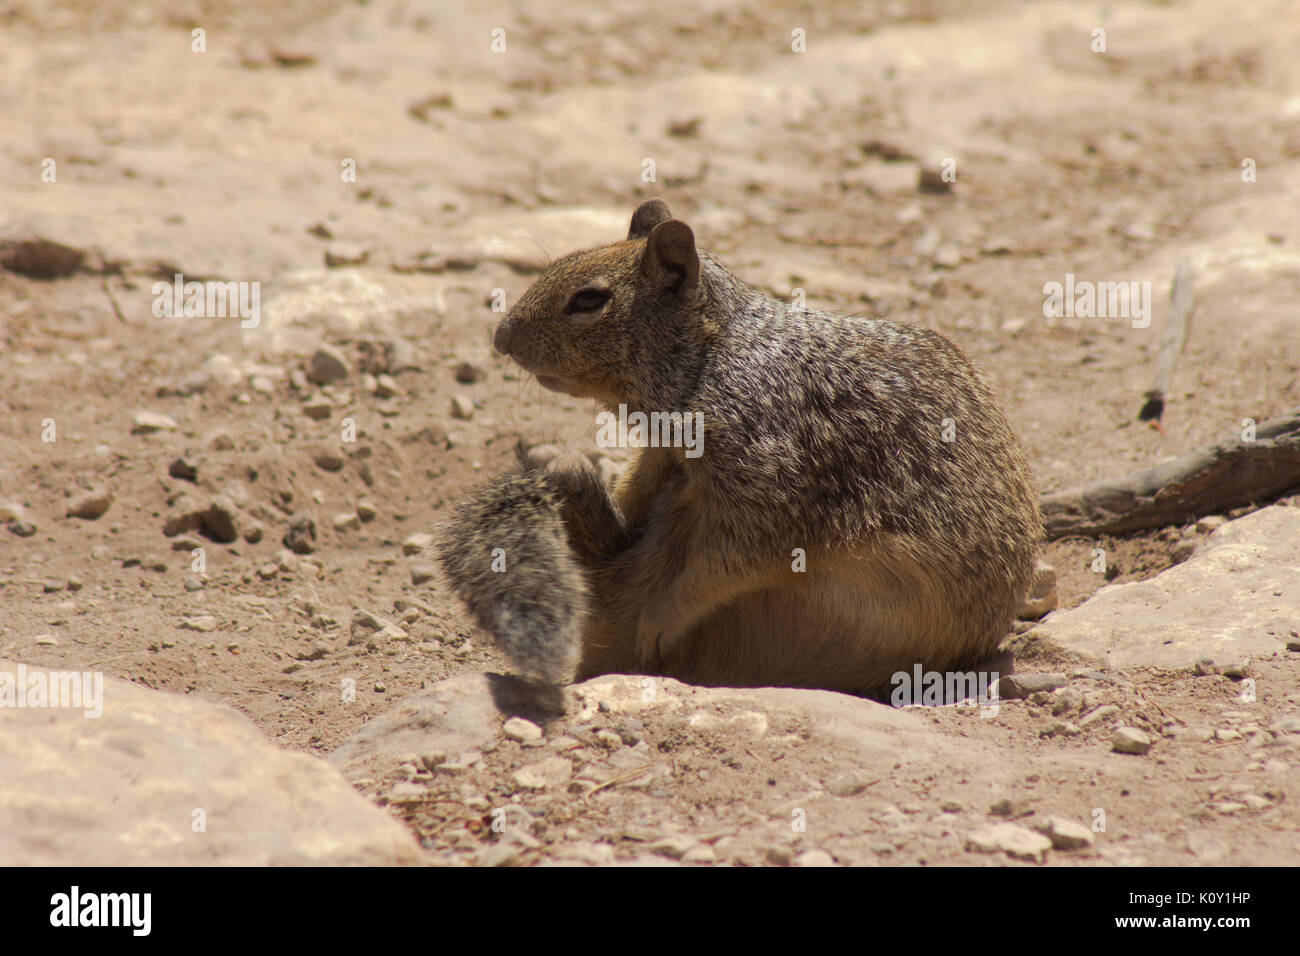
556	384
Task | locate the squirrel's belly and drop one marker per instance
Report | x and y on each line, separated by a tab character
852	626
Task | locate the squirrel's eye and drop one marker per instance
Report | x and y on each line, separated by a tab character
587	300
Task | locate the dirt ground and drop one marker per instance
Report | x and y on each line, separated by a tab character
799	169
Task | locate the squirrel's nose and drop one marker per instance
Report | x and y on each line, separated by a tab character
505	332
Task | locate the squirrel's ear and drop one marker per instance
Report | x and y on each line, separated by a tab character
670	260
648	215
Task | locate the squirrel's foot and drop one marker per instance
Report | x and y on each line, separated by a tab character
658	632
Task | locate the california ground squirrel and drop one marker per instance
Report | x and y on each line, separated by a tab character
860	504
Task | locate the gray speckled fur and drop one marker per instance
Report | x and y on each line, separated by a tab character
534	608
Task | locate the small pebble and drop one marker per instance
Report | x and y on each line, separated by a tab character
1130	740
462	407
517	728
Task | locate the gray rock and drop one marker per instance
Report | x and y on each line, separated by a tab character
467	373
1098	715
1068	701
221	520
154	767
318	409
517	728
780	855
674	847
40	258
186	468
700	853
630	731
544	774
147	423
407	792
947	256
402	356
300	538
203	623
327	365
452	716
365	623
1130	740
1183	550
462	407
850	783
1210	524
1064	834
221	440
90	505
1016	841
417	544
1006	807
1237	597
346	254
329	459
186	517
1020	686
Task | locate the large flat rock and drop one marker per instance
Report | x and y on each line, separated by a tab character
1236	598
453	715
122	788
467	712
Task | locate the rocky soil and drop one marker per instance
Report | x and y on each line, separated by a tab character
237	513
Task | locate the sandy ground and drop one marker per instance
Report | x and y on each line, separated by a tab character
799	169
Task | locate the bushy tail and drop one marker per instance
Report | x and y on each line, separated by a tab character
507	554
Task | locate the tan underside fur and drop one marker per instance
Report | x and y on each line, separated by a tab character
852	620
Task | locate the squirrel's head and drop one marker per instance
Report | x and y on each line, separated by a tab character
613	323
